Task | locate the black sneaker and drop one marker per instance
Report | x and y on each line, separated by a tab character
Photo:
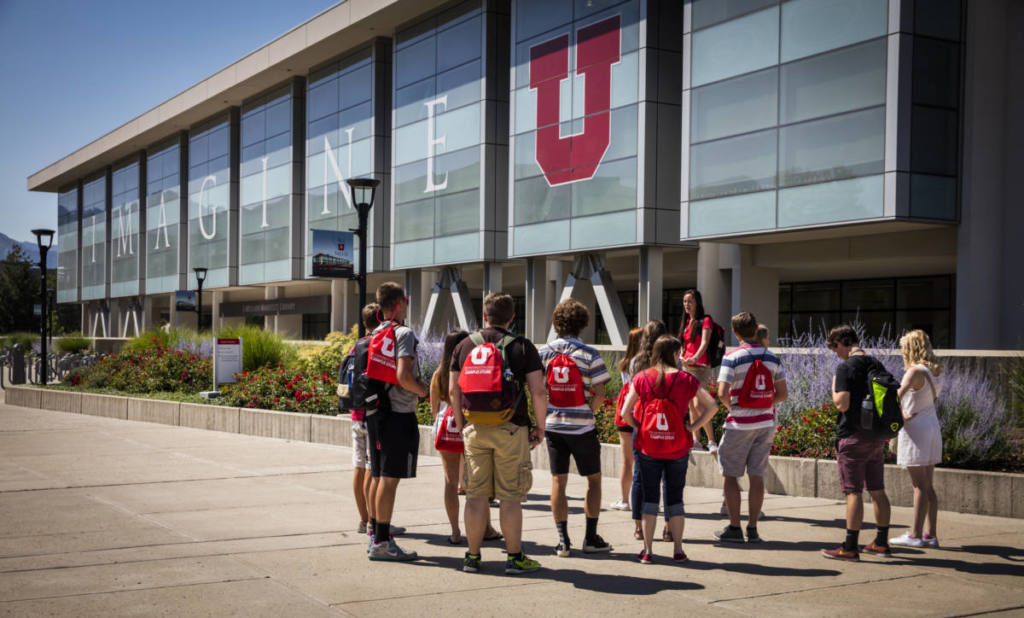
729	534
752	535
596	545
471	563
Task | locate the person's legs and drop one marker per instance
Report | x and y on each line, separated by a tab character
649	473
882	509
452	472
385	499
513	477
874	482
511	517
358	490
626	471
360	465
675	481
932	518
755	498
592	501
478	481
732	499
558	456
476	517
369	491
854	511
920	500
636	496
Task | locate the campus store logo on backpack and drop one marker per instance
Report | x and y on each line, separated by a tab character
663	433
758	390
565	382
881	415
490	393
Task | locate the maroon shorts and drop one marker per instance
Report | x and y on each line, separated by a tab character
861	462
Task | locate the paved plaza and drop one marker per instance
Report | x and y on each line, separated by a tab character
110	517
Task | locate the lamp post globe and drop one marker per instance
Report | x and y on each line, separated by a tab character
200	277
363	192
44	240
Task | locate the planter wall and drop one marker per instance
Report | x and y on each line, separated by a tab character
966	491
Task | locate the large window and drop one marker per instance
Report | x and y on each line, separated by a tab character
67	246
886	307
787	114
575	128
339	144
163	219
124	231
209	202
94	239
438	138
266	186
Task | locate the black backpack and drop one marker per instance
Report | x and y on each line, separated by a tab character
716	345
881	415
364	393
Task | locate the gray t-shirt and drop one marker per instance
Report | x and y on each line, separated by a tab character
405	345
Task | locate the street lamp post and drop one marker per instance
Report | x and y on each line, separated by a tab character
200	277
44	239
363	192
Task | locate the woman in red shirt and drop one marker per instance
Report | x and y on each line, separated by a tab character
664	451
695	333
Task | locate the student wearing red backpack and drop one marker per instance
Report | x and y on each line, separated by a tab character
362	481
490	372
392	360
750	383
575	374
663	437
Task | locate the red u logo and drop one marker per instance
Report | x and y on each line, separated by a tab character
575	157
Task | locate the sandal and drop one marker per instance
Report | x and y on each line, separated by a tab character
492	535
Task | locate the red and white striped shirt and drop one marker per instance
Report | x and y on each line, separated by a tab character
734	369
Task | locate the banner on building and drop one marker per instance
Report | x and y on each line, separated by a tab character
185	300
332	253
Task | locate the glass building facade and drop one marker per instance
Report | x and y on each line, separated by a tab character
209	203
94	239
265	192
345	138
67	245
163	219
440	145
787	114
124	231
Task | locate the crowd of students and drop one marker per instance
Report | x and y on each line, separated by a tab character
495	396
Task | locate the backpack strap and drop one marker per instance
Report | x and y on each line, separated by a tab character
476	338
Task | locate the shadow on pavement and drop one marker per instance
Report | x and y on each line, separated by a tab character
919	557
595	582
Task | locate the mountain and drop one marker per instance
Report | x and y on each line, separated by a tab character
30	248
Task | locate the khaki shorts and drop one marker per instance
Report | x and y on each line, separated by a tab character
497	462
701	372
745	450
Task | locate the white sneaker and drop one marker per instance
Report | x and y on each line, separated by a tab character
713	447
619	505
930	541
907	540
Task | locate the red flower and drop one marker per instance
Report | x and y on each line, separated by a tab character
277	399
804	419
820	429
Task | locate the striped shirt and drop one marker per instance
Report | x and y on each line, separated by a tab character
577	419
734	369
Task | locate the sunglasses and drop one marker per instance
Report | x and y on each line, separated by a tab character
832	346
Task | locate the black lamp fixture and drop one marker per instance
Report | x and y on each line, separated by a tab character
363	192
44	239
200	277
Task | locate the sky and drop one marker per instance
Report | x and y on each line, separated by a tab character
74	70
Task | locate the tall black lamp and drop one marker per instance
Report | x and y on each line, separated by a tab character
363	192
44	238
200	277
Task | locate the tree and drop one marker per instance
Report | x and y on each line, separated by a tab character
19	293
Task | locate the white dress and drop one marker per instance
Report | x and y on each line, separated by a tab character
920	440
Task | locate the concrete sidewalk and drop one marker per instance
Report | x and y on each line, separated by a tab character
110	517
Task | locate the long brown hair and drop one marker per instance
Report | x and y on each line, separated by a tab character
632	347
651	331
450	341
664	355
697	328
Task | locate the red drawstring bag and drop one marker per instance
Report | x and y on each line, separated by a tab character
446	437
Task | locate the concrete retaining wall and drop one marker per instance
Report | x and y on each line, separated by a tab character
270	424
105	405
967	491
61	401
154	411
214	418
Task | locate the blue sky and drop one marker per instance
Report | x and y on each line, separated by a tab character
73	70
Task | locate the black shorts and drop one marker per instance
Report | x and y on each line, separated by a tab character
624	428
585	448
394	444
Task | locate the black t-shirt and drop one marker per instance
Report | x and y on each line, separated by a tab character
852	376
522	359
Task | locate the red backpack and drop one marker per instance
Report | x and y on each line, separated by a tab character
382	363
565	382
621	399
490	392
446	437
758	390
663	433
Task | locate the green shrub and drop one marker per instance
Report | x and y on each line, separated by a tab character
156	370
26	340
321	359
260	348
812	434
73	343
151	339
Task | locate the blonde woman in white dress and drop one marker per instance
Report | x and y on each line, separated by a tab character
920	440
